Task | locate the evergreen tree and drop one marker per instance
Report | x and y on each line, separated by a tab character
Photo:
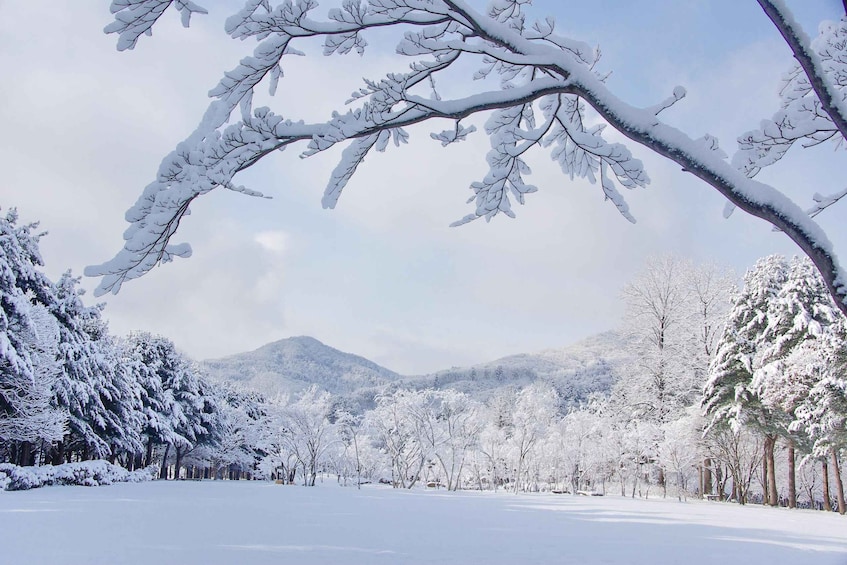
102	403
27	343
728	396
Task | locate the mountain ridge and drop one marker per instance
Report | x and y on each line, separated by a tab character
290	365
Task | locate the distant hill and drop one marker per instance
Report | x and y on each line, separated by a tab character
291	365
576	371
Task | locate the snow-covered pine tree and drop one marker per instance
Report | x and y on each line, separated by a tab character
728	397
27	344
148	358
102	404
822	415
802	312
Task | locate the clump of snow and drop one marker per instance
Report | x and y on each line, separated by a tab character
84	473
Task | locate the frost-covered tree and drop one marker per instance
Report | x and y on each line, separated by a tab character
739	451
802	313
28	415
730	397
309	430
532	416
28	343
679	450
545	91
173	404
238	429
101	399
459	417
674	316
822	415
656	306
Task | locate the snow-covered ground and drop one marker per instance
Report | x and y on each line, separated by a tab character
255	522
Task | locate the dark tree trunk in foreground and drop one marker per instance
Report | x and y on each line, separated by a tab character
839	486
792	476
707	477
827	505
148	457
178	463
773	495
163	472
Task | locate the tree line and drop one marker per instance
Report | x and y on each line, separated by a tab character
71	391
730	393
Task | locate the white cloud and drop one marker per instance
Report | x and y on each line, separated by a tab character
275	241
382	275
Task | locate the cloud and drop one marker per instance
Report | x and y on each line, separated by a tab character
382	275
275	241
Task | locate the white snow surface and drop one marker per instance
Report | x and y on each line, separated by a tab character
257	522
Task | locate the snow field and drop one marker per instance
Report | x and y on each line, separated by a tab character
213	522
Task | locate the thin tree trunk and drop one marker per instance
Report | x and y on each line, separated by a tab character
148	457
707	476
765	483
178	463
773	495
827	504
163	472
839	486
792	476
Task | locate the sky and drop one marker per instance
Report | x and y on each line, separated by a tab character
383	275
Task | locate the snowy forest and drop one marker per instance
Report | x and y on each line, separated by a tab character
736	392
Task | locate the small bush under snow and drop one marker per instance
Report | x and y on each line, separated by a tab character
84	473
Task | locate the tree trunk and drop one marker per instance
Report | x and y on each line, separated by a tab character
765	483
839	486
792	476
773	495
707	476
163	472
178	464
58	454
25	454
148	457
827	505
721	478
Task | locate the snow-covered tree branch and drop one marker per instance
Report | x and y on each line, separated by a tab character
550	95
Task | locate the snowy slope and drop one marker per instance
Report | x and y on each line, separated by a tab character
576	370
291	365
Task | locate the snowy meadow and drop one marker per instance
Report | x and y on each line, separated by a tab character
261	522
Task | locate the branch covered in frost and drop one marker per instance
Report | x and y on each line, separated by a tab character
134	18
824	70
548	96
812	94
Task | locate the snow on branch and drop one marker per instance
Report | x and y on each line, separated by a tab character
549	96
824	70
134	18
678	94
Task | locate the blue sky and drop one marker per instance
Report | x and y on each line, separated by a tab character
382	275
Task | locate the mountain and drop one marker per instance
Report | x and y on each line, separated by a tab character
291	365
576	371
